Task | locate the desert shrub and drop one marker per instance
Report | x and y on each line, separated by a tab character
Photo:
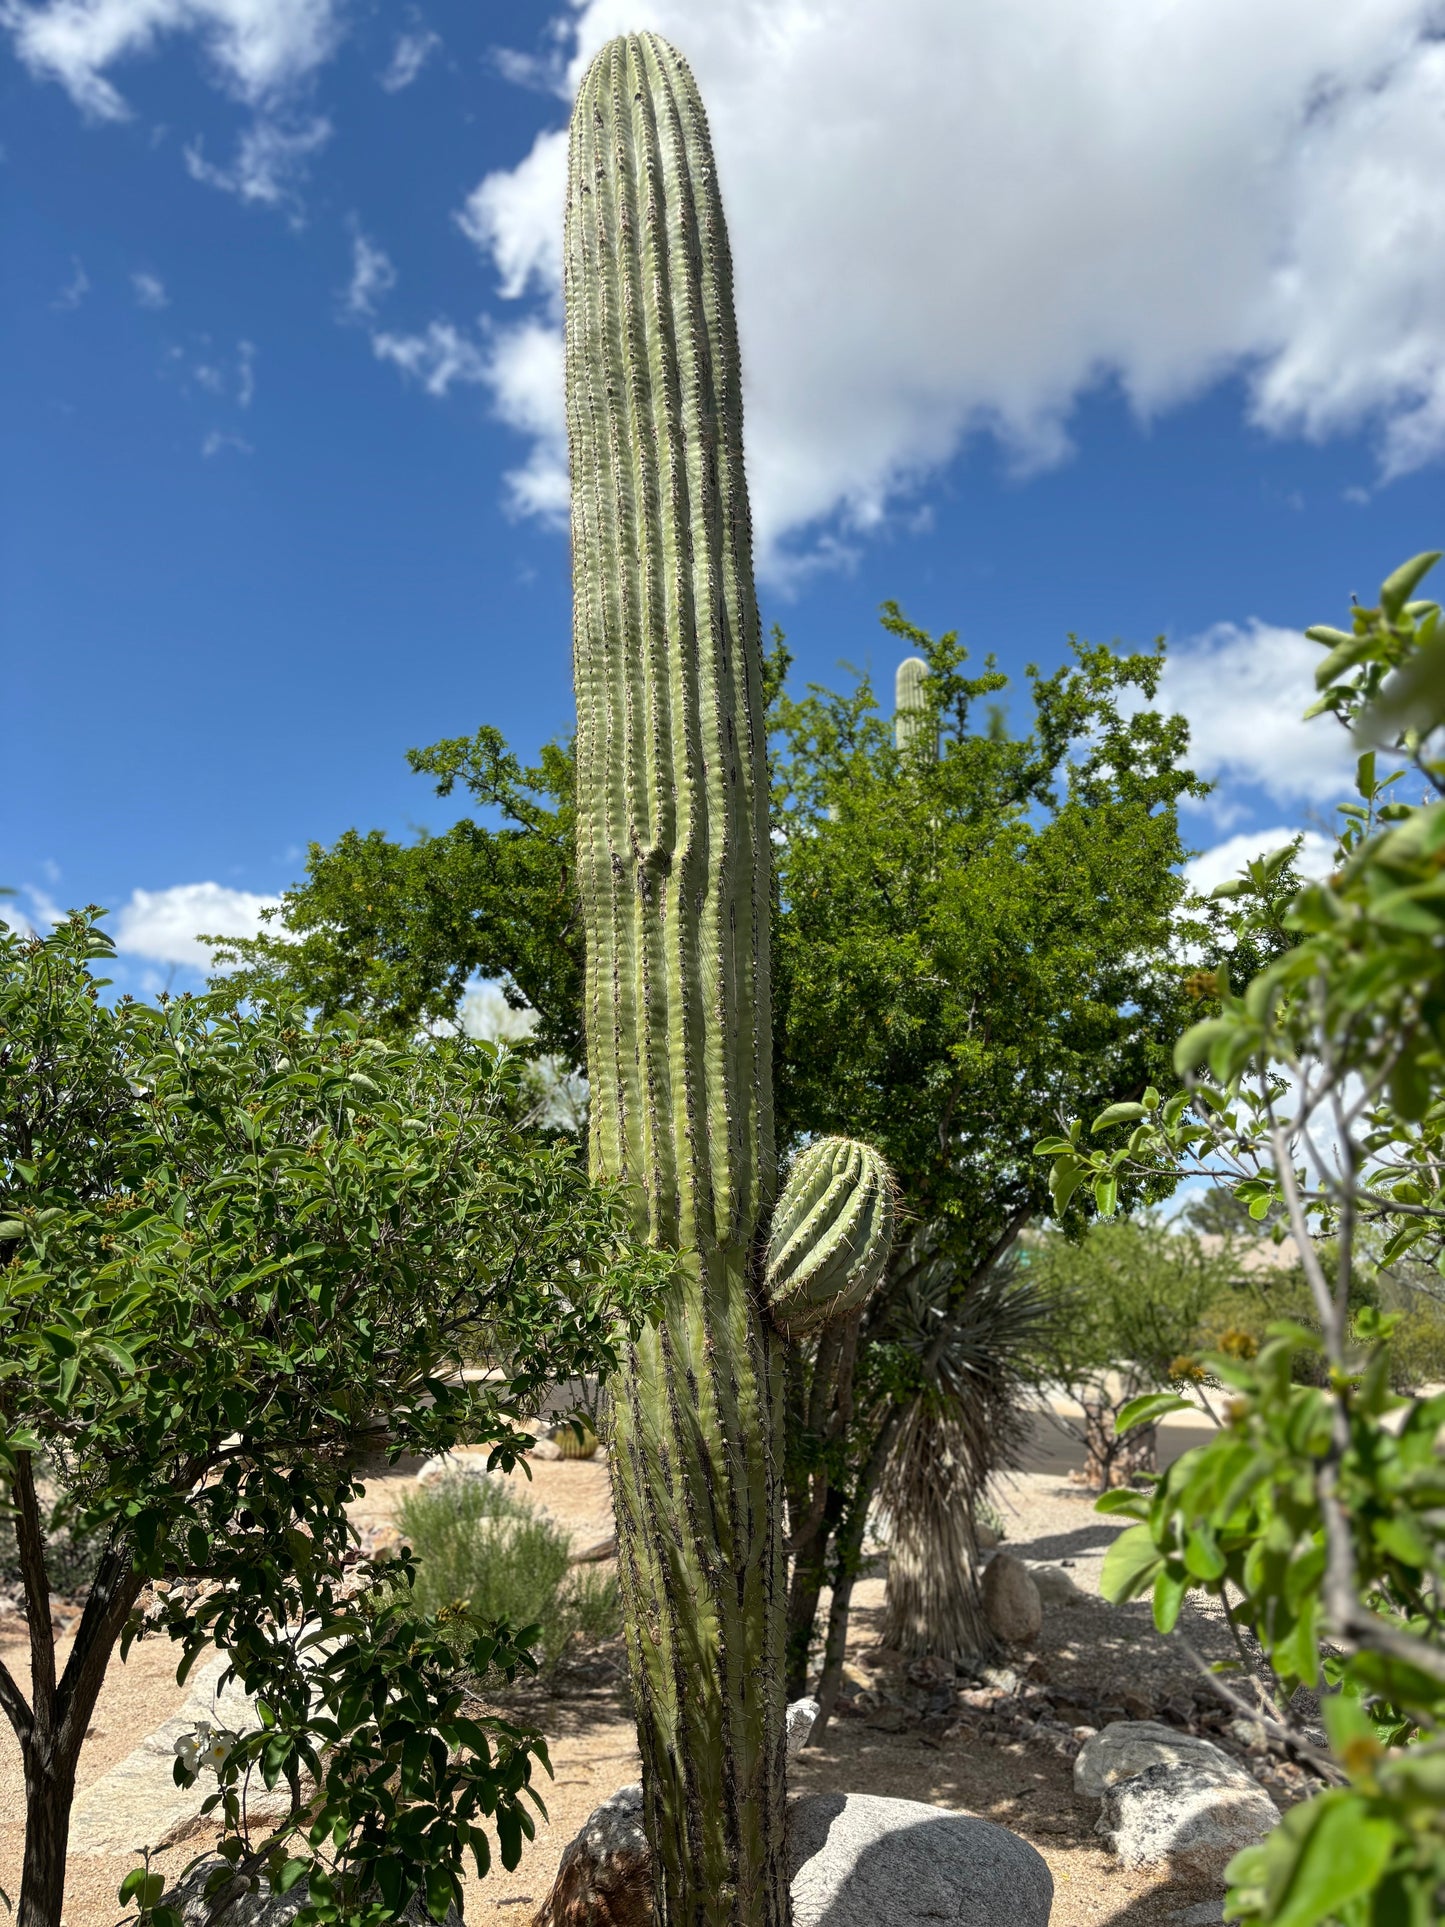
481	1544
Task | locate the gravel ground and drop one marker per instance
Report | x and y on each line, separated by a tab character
1002	1750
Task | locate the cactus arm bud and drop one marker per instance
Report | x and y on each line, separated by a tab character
832	1232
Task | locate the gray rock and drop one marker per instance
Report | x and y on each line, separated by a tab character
801	1716
1204	1913
1189	1818
605	1874
260	1907
1055	1587
1011	1602
859	1860
464	1462
856	1861
1128	1747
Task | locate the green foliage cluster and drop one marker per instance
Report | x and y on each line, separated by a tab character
394	933
1317	1514
240	1255
1127	1301
483	1546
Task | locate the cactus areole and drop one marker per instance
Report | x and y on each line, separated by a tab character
672	862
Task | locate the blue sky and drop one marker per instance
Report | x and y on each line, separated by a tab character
1124	328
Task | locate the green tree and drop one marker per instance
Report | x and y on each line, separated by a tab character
1001	904
396	932
1317	1514
238	1255
1128	1300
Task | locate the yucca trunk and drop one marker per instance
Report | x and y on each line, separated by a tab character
932	1603
672	863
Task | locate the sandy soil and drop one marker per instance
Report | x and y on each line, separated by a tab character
1005	1754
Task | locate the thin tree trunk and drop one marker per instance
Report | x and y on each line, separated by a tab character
848	1550
810	1567
819	1413
49	1791
1108	1459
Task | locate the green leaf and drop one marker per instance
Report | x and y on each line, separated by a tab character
143	1887
1401	583
1342	1854
1064	1181
1119	1114
1129	1564
1134	1504
1170	1586
1199	1040
1149	1408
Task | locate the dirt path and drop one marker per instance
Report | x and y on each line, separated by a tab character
1004	1751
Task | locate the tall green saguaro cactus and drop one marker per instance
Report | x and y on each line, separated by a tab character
672	854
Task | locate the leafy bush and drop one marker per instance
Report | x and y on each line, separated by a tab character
240	1253
1317	1513
480	1544
1127	1302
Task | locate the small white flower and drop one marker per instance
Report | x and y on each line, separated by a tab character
204	1746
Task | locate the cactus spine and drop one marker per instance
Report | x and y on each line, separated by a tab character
672	860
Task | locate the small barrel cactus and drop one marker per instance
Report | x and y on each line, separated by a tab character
832	1231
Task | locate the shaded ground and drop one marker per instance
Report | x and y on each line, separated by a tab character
1002	1749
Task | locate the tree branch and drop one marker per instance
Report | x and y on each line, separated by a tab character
30	1539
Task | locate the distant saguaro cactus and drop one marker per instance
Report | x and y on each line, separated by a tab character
910	712
672	864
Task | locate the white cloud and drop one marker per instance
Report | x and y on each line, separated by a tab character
949	219
1244	688
437	358
516	217
149	290
524	373
372	277
76	288
217	442
1227	859
270	161
257	49
410	54
485	1013
165	925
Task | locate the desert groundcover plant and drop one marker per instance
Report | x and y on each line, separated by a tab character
1317	1513
480	1544
238	1256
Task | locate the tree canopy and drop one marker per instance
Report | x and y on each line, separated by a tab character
239	1255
